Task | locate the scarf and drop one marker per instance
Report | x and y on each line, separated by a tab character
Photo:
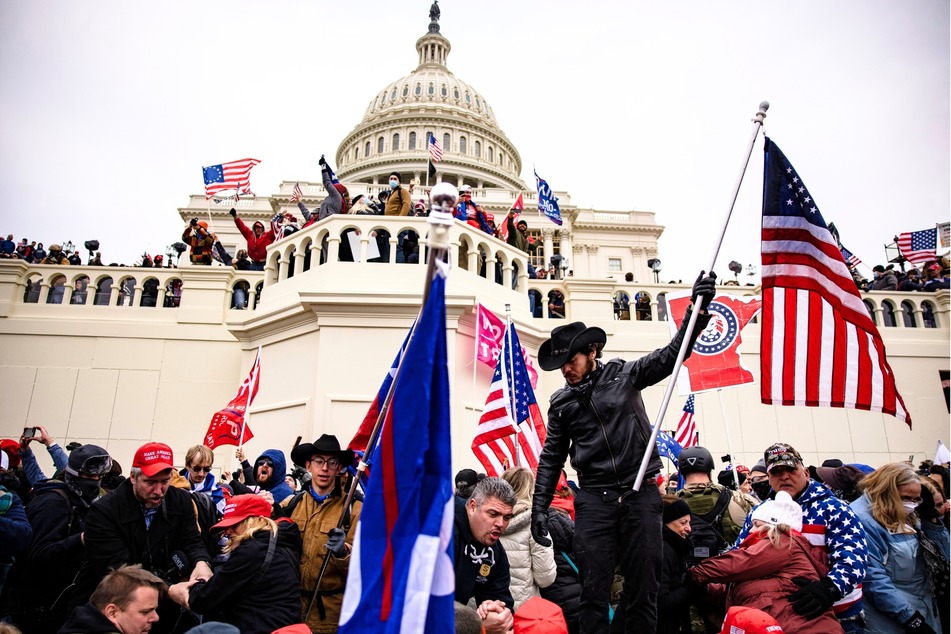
209	487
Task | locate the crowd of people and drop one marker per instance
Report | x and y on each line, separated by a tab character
929	277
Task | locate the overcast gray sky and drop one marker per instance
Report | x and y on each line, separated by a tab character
110	108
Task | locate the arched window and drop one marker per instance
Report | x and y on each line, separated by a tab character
396	142
468	98
103	290
57	290
32	293
446	142
490	154
356	153
662	307
80	290
443	91
535	303
928	316
642	306
393	95
405	90
871	311
908	314
462	145
431	90
622	306
888	314
455	94
412	140
419	90
379	145
149	296
478	149
366	150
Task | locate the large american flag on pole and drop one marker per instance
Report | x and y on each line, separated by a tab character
511	404
918	246
435	150
819	347
686	434
234	175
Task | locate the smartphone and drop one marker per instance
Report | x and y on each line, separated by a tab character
29	432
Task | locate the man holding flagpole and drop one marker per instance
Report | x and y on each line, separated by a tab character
599	419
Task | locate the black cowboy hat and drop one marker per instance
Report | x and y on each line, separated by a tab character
326	445
566	341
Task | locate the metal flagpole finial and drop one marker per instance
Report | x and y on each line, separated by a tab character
761	113
443	198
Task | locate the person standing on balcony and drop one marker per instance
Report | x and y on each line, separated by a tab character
258	239
199	241
399	201
884	279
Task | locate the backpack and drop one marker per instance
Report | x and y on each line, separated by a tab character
706	522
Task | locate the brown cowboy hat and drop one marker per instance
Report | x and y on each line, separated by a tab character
566	341
326	445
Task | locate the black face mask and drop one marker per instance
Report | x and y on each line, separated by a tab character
761	489
89	489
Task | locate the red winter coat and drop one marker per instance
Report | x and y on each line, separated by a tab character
762	577
257	247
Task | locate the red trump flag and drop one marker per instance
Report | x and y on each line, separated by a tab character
228	426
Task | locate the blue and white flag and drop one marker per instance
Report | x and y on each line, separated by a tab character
667	447
401	577
330	172
547	202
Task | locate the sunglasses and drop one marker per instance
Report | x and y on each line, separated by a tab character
202	469
265	461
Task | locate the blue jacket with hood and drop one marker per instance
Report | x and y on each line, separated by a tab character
276	484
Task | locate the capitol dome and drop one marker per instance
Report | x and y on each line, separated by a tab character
393	135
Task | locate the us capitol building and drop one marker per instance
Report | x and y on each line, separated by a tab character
118	357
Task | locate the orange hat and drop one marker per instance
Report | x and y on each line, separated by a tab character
539	616
241	507
740	620
202	224
152	458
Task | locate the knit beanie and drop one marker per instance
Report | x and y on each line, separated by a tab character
675	510
781	510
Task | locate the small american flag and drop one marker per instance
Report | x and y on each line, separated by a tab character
435	150
918	246
686	434
234	175
511	403
849	258
819	347
297	194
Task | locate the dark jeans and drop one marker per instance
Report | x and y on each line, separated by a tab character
619	526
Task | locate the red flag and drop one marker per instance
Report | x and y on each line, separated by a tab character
490	331
686	434
226	425
511	404
715	360
819	347
517	206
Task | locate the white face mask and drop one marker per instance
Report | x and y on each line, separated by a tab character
909	506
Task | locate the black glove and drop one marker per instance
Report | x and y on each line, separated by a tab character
234	214
337	542
322	161
705	288
540	528
813	598
918	625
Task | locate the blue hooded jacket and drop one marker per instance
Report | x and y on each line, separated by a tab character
276	484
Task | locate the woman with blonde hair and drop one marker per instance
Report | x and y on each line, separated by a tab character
897	589
532	566
774	561
257	588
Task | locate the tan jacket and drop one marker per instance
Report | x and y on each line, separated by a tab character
398	203
315	522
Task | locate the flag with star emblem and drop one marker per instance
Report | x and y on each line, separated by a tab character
547	201
818	347
918	246
686	434
401	578
511	431
234	175
297	194
435	150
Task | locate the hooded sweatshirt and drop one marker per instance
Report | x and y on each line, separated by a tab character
86	619
276	484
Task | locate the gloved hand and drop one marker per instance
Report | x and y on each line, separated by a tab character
233	213
705	288
540	528
337	542
322	161
917	625
813	597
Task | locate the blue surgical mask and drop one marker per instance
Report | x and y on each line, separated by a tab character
394	184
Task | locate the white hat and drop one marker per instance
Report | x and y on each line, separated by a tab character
4	460
782	510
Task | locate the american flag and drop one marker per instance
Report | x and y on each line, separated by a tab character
435	150
297	194
494	444
849	257
234	175
686	434
918	246
819	347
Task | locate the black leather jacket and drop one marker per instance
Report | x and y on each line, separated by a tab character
605	428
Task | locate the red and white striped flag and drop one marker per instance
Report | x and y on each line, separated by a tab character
819	347
686	434
919	246
297	194
435	150
234	175
511	404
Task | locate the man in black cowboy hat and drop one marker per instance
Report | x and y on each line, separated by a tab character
599	419
317	511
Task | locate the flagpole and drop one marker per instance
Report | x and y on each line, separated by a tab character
682	353
244	415
511	380
729	440
443	203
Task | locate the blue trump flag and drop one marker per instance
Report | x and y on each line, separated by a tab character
668	447
547	203
401	576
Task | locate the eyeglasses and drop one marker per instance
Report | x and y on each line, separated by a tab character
333	463
203	469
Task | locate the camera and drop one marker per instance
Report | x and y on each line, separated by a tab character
177	569
726	459
29	432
